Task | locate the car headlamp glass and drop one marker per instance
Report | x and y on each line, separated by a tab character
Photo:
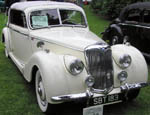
89	81
122	76
74	66
125	61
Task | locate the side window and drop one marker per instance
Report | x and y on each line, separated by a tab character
133	15
20	20
146	16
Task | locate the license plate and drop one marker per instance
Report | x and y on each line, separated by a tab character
94	110
105	99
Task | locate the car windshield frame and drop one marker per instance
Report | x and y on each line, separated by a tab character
60	19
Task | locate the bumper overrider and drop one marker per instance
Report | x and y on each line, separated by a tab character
89	93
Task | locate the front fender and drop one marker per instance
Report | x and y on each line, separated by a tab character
57	80
112	29
137	71
117	28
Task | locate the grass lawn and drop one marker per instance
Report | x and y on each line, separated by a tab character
96	24
17	97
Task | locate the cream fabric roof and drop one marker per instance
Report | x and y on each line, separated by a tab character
24	5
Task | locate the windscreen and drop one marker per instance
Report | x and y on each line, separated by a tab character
56	17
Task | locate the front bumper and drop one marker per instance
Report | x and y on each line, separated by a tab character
89	94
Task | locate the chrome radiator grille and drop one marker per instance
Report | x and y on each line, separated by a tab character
99	61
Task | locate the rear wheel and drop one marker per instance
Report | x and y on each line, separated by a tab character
6	52
41	94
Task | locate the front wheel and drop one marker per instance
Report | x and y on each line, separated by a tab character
41	94
133	94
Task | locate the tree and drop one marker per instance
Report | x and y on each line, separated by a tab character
111	8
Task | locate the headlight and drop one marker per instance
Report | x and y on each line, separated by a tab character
125	61
74	66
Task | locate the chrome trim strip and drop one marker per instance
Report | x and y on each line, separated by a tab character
135	25
56	43
71	97
19	32
128	87
104	91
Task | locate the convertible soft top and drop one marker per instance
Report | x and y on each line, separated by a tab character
24	5
139	5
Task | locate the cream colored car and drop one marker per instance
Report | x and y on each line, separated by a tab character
51	44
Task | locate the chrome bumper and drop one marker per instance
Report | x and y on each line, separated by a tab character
72	97
128	87
88	94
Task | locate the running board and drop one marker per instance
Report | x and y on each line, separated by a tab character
17	63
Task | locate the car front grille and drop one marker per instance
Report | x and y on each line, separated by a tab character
99	64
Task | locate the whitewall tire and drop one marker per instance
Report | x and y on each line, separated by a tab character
40	93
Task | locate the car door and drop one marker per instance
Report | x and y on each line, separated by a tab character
145	33
131	26
20	42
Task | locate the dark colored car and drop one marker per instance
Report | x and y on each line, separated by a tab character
133	26
2	5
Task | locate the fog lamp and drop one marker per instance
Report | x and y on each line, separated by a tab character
122	76
89	81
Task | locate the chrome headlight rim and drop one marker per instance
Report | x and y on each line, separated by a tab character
89	81
122	76
125	61
73	65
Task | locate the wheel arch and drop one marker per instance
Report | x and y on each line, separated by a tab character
3	38
117	28
4	35
33	73
111	31
52	71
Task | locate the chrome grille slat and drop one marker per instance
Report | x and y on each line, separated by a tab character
99	61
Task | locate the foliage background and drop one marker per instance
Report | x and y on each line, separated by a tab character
111	8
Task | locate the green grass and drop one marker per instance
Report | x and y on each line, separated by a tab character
96	24
17	97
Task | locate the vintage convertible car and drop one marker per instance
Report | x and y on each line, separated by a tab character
133	25
51	44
